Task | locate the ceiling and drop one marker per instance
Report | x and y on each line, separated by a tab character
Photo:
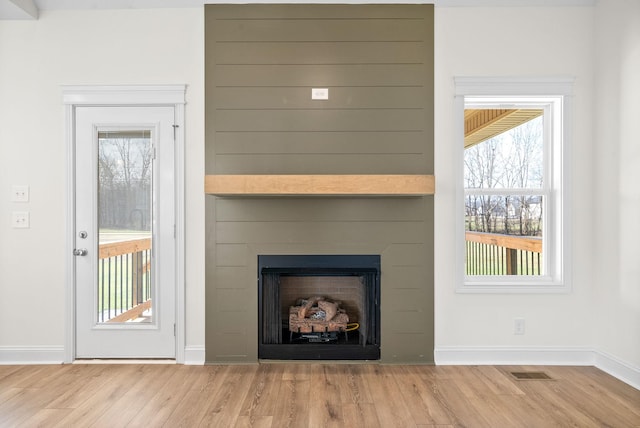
482	124
30	9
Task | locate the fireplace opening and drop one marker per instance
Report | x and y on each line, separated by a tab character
319	307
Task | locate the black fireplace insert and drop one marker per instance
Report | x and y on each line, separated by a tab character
319	307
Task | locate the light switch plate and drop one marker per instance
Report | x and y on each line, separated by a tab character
19	193
320	93
20	219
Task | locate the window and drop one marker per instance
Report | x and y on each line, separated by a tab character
512	201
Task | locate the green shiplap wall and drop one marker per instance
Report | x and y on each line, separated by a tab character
261	63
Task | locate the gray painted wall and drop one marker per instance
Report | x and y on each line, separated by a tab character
261	63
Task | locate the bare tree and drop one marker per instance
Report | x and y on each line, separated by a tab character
124	166
525	168
510	160
483	171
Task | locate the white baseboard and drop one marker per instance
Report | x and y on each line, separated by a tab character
508	355
26	355
22	355
546	356
627	373
194	355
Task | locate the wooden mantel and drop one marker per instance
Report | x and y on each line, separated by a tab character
319	185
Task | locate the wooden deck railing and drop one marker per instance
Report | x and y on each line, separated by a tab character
124	281
497	254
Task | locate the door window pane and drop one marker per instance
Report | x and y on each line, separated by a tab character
125	221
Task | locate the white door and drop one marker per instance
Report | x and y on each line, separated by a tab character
124	232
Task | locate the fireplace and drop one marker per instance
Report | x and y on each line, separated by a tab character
319	307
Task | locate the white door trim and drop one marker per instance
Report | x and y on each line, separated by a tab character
125	95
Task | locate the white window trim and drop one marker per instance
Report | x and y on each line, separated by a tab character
126	95
557	251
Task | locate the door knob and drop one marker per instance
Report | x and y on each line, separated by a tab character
80	252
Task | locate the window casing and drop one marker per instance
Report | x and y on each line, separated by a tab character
552	96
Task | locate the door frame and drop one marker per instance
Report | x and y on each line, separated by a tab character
124	96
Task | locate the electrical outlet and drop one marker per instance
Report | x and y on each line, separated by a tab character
20	219
518	326
19	193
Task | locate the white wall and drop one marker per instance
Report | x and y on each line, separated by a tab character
513	42
599	321
161	46
617	172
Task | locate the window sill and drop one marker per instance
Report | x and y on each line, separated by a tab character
533	287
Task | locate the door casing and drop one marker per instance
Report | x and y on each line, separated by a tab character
106	96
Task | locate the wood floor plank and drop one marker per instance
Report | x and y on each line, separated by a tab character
160	407
45	417
354	388
24	376
143	386
226	406
6	371
325	407
457	404
36	393
312	395
7	394
292	408
557	409
497	381
102	399
265	386
255	422
577	388
355	397
87	380
390	407
191	409
424	407
485	388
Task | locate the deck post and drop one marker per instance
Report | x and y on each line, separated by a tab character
512	261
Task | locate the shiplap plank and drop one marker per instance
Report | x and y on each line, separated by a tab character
324	210
320	53
405	299
274	98
256	120
231	255
311	75
323	142
317	12
334	164
336	29
315	233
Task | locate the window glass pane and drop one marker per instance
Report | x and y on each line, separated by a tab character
504	149
503	234
512	158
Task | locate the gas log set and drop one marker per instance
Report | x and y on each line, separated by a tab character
318	319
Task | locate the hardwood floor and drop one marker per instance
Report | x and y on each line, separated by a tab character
311	395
